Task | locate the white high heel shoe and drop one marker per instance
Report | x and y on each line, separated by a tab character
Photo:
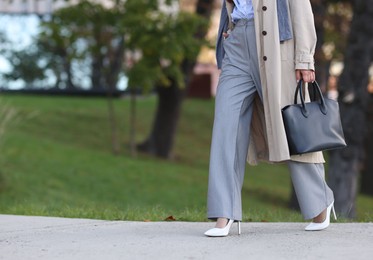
320	226
222	232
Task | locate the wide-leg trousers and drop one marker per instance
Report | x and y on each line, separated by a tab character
239	83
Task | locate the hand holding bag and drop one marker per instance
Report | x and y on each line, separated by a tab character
312	126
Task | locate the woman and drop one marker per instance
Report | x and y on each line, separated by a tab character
263	49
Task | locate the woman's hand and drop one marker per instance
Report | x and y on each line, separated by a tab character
306	75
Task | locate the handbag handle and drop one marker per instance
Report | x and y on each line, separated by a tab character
299	90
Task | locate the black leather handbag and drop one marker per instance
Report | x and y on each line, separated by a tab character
312	126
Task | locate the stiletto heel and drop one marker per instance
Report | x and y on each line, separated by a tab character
239	227
320	226
335	216
222	232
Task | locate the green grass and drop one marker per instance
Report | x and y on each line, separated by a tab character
56	160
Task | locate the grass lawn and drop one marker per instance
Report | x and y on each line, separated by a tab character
56	160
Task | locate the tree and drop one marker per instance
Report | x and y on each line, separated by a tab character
161	138
26	65
159	51
354	98
73	48
94	39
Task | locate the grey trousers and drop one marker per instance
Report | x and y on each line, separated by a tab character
239	83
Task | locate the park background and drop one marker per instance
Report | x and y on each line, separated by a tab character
106	111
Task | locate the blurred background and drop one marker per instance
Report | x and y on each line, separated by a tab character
106	110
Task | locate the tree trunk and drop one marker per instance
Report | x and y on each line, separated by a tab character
115	145
367	173
68	70
167	115
132	122
97	68
345	164
111	80
161	138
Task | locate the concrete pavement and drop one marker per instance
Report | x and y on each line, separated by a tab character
23	237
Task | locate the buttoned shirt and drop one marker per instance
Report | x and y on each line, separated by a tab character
243	10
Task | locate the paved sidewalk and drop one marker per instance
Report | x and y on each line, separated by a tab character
24	237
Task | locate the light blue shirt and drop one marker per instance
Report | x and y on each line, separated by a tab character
243	10
284	26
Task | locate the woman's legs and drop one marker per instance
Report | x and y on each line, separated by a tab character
313	194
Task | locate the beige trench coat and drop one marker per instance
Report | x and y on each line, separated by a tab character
277	64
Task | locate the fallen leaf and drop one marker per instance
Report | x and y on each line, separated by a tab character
170	218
